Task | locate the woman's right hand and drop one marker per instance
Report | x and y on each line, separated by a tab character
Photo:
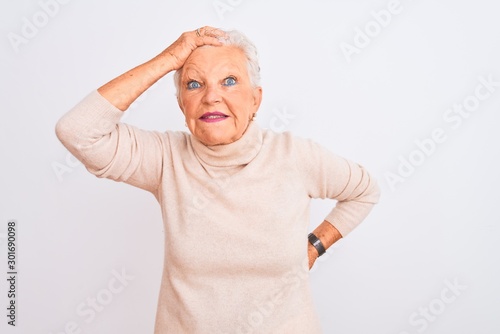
177	53
123	90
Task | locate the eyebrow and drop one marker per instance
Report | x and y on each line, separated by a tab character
191	74
230	66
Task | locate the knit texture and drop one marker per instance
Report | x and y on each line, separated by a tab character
235	216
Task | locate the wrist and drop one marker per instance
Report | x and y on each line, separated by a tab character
312	251
165	62
158	67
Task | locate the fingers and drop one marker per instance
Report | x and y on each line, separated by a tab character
209	35
179	51
210	32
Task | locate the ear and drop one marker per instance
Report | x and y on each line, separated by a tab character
257	98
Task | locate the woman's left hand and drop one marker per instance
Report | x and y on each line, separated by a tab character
328	235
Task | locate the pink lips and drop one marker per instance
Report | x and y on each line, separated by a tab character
211	117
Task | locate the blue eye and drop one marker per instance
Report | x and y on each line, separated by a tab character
193	84
230	81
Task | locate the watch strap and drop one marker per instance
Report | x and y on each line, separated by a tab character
314	240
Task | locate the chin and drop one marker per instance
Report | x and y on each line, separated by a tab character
215	139
220	134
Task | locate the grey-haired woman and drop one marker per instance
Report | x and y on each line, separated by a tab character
234	197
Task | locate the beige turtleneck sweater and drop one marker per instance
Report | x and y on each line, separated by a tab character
235	216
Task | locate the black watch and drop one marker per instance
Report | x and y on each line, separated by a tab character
317	244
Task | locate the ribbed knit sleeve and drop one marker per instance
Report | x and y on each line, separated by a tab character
92	132
327	175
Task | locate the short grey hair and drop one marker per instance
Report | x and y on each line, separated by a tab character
239	40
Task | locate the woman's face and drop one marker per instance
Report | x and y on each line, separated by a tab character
216	95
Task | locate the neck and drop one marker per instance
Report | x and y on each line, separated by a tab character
237	153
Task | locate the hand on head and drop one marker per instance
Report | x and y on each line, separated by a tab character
180	50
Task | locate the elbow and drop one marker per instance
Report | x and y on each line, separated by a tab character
65	133
375	191
368	189
371	192
61	129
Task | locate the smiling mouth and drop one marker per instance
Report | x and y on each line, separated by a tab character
213	117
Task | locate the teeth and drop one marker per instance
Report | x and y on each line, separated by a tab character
214	116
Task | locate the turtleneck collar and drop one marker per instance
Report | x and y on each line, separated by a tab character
237	153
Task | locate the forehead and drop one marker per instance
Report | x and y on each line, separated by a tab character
205	60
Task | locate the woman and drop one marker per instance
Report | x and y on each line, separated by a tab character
234	197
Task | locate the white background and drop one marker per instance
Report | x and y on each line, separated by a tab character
435	227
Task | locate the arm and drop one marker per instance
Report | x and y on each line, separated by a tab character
327	175
328	235
126	88
92	131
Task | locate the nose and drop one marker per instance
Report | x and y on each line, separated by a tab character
211	95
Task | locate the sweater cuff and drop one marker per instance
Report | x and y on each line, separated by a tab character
99	107
337	222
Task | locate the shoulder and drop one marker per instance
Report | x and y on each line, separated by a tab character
177	136
167	142
289	141
281	138
177	140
